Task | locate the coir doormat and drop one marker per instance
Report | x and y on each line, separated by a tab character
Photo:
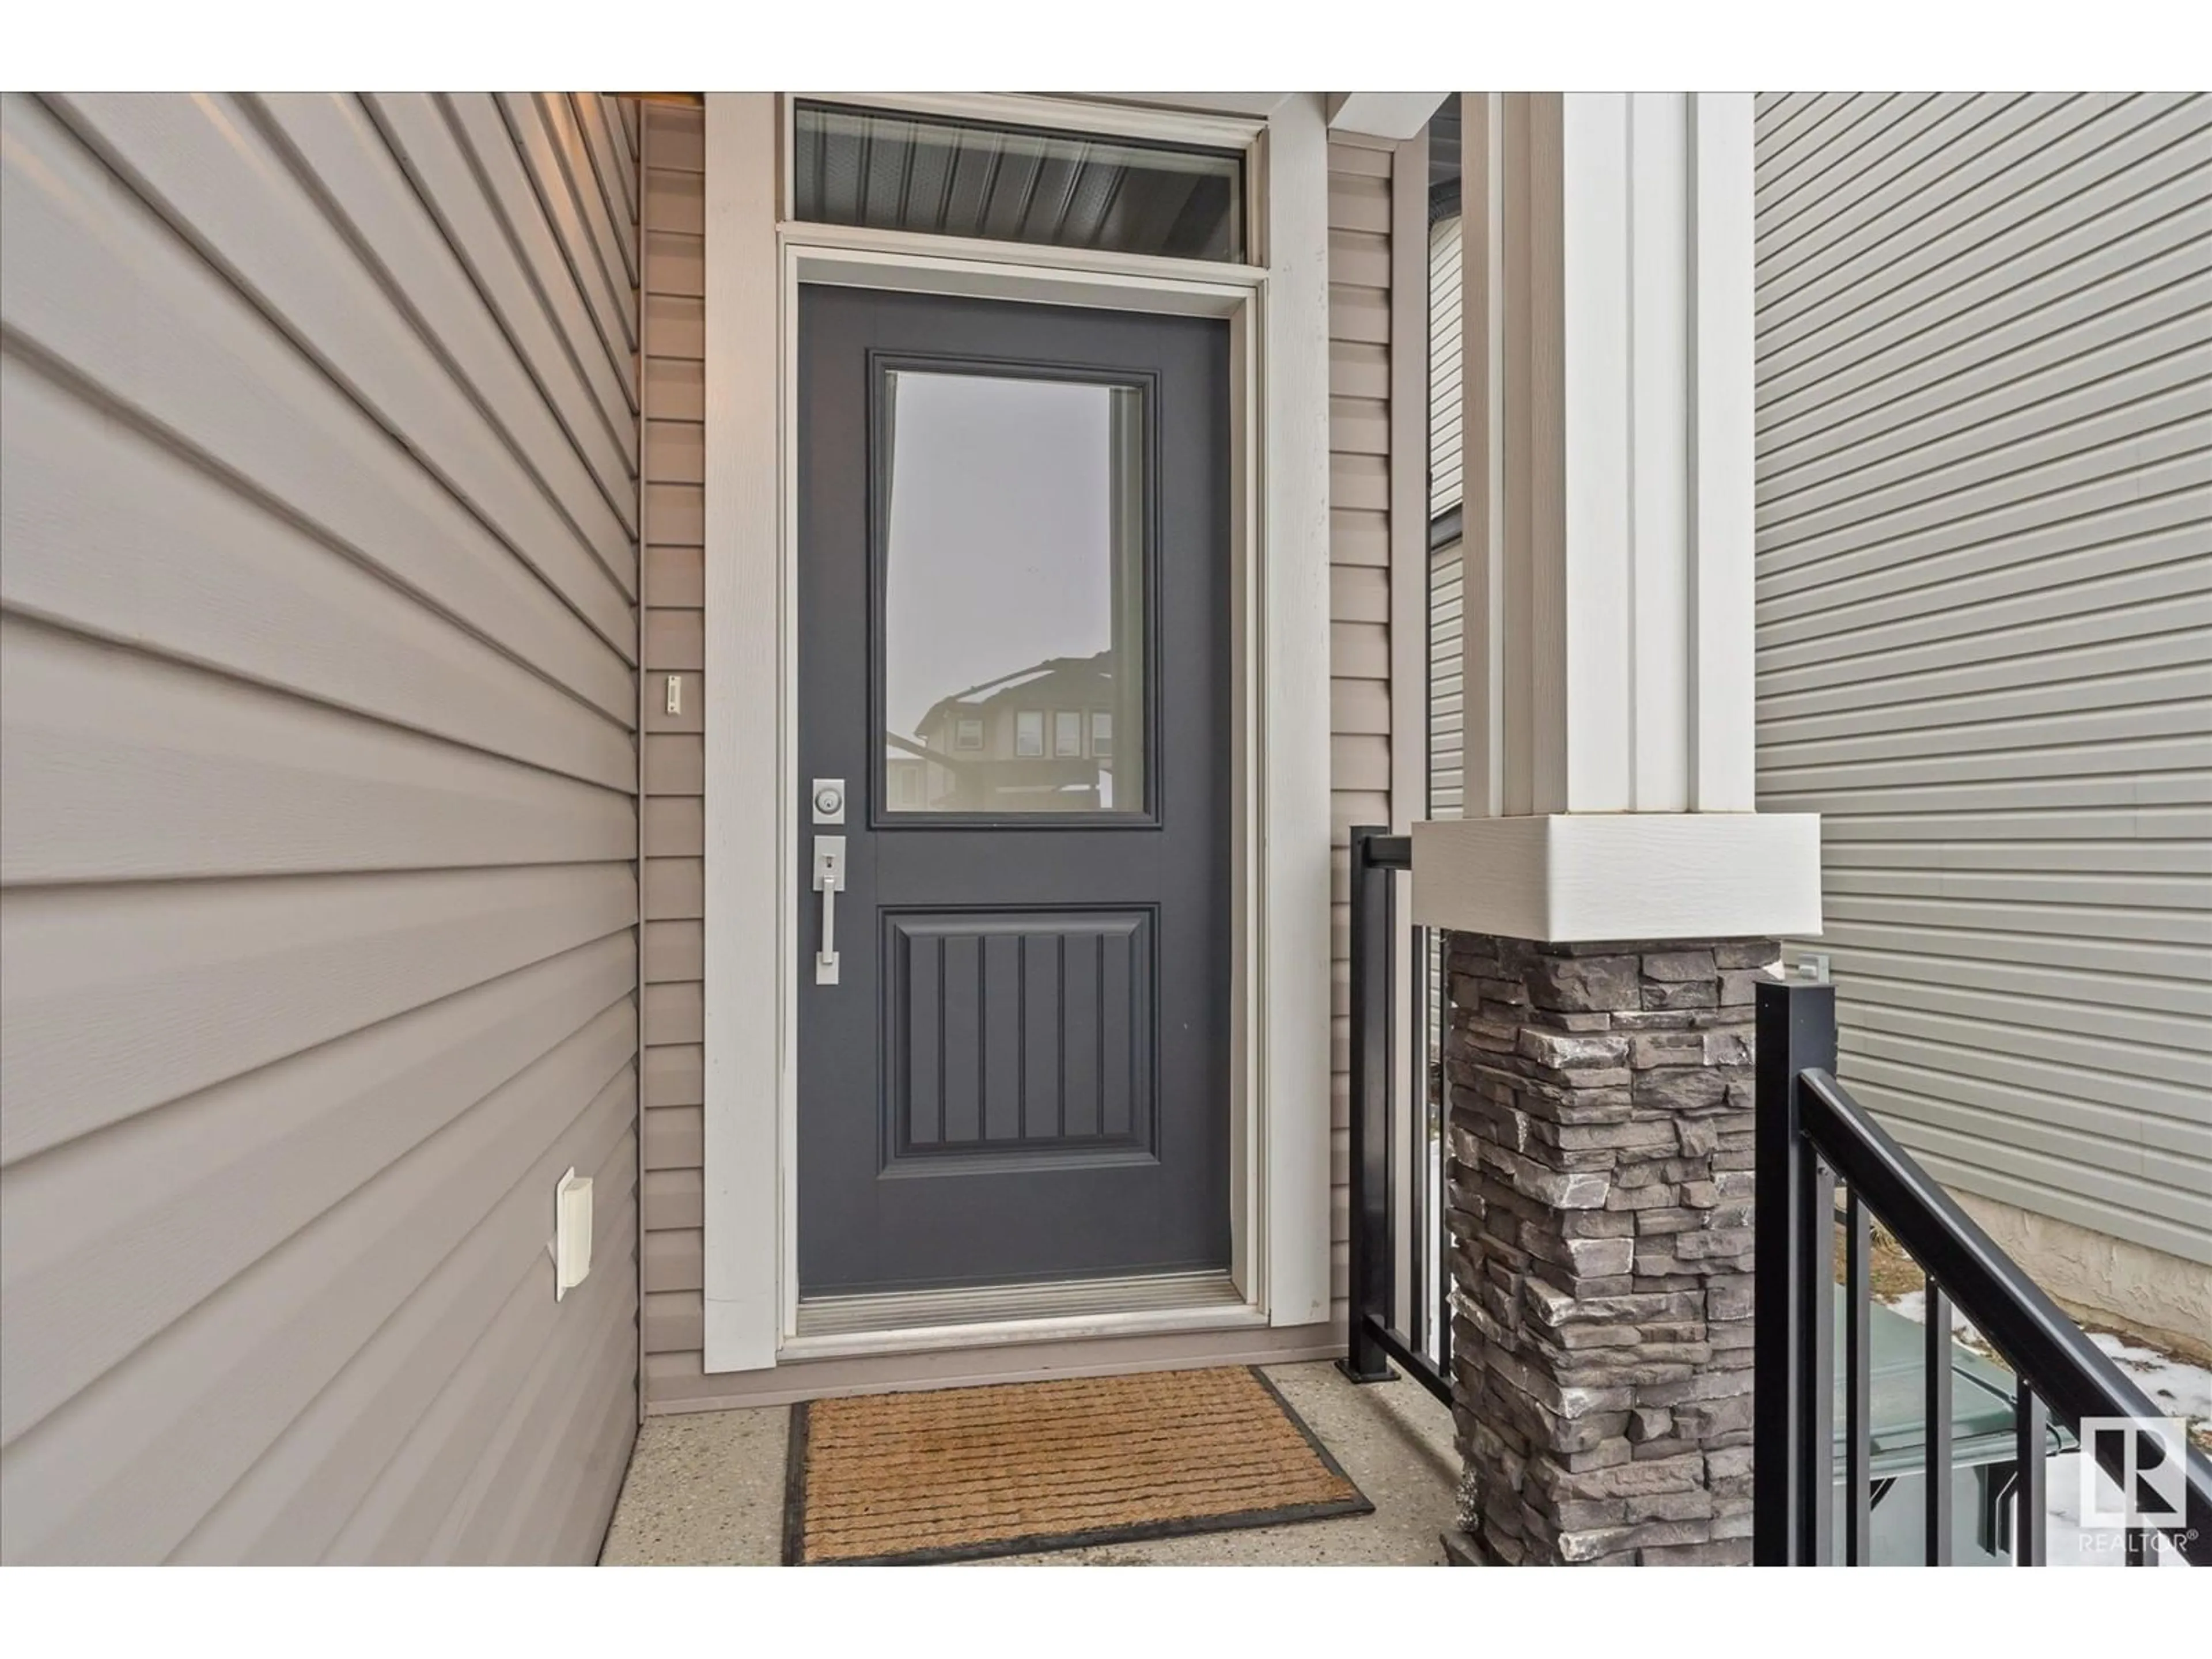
958	1474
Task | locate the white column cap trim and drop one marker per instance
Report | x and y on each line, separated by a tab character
1566	878
1395	115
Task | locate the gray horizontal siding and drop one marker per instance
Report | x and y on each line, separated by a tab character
1445	357
1447	697
317	825
1985	509
1447	683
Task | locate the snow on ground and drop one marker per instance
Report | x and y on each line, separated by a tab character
2177	1387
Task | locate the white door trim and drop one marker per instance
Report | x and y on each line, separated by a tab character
744	687
1278	313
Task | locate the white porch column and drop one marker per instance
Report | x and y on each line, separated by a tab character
1614	899
1608	534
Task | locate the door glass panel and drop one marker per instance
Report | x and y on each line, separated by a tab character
896	172
1012	516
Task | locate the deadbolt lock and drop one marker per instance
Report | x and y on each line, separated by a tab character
828	800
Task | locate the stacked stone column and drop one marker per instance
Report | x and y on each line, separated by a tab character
1600	1167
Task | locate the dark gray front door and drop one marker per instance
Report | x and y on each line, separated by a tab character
1013	624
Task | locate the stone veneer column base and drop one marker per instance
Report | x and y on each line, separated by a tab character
1600	1171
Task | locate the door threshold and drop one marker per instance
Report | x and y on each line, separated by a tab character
907	1322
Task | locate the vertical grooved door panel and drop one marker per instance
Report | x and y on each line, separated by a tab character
1018	1032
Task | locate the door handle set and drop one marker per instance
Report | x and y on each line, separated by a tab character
828	881
827	799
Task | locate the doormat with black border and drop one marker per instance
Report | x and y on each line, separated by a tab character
958	1474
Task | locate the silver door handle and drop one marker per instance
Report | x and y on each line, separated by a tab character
828	881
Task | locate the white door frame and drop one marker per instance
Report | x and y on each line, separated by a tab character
1277	314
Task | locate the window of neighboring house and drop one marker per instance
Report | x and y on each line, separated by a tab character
890	170
1066	733
1101	734
1028	732
968	732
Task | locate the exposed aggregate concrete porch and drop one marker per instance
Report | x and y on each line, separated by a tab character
706	1489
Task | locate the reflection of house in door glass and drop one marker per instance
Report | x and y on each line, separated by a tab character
1028	743
1013	583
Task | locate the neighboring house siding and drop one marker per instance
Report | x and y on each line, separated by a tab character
1447	629
674	1266
1984	363
1445	412
1447	648
1447	683
317	635
1447	624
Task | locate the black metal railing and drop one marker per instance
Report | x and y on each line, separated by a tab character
1400	1275
1811	1135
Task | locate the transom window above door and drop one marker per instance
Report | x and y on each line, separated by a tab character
887	170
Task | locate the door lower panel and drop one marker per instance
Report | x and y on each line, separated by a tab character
1012	1036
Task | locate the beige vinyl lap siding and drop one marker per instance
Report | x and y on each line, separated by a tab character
1363	179
1984	508
673	1260
317	825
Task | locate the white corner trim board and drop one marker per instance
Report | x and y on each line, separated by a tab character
1283	923
1567	878
746	886
1395	115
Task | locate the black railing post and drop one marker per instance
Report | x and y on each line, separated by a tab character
2031	1444
1369	1247
1816	1252
1796	1031
1858	1388
1935	1378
